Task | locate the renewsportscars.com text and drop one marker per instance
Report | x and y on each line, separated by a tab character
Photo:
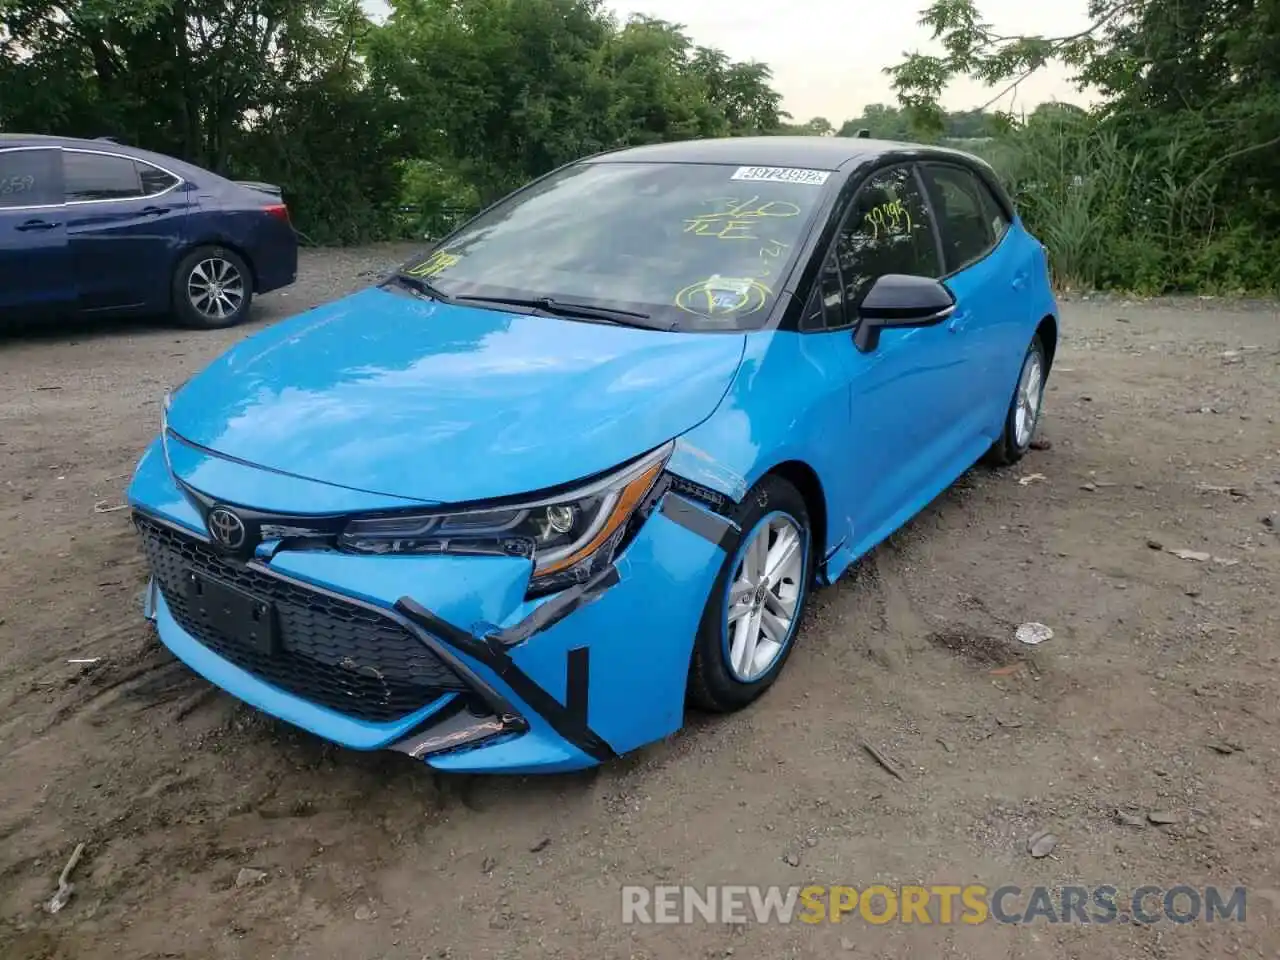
935	904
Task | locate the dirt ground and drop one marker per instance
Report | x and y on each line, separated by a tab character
1158	692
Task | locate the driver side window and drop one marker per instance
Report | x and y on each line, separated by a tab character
888	229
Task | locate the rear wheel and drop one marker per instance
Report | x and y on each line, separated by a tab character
1023	415
212	288
749	625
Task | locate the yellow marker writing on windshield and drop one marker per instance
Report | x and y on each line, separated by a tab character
718	297
440	260
734	221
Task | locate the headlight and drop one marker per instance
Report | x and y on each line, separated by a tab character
568	536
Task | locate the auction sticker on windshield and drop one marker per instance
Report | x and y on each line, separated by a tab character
813	178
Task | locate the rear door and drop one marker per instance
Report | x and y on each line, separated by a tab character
34	279
126	220
988	280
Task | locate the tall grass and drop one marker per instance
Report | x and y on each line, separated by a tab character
1114	216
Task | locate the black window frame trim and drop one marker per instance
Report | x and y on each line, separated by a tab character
1001	201
840	216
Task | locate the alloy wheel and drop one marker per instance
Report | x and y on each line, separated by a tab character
215	288
1028	398
763	597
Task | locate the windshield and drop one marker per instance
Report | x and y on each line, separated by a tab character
694	246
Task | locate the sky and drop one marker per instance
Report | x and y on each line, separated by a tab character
828	56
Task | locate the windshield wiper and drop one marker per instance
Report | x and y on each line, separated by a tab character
584	311
418	285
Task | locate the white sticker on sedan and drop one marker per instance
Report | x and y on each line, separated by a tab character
812	178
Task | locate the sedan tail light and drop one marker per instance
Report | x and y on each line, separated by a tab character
278	210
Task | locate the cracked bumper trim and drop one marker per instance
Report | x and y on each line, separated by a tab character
569	720
458	729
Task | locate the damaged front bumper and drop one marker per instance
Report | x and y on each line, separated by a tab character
442	657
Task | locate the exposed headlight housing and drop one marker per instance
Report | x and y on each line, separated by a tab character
569	536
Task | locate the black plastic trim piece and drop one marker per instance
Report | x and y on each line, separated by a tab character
577	684
559	716
261	527
713	500
722	532
556	609
455	728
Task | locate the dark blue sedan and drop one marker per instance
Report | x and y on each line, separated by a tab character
91	227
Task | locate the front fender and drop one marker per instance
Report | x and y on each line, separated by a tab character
788	403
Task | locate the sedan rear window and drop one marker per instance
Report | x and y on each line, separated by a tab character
99	176
701	246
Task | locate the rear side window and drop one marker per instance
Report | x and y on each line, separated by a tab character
888	229
98	176
995	211
153	179
29	178
969	217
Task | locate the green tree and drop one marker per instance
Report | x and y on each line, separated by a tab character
881	122
1170	184
817	127
371	129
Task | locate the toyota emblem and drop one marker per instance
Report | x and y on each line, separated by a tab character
226	528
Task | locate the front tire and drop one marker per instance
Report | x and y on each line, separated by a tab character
750	622
1023	415
212	288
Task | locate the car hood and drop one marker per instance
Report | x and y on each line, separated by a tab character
389	394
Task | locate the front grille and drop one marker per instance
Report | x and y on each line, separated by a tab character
334	653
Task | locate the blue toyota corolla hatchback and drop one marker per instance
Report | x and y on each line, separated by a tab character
93	227
583	461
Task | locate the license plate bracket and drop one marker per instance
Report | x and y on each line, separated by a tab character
234	613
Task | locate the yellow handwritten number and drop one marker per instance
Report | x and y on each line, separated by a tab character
892	217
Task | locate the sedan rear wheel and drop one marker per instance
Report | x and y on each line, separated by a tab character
750	622
212	288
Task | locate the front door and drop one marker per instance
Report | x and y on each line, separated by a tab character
34	279
906	395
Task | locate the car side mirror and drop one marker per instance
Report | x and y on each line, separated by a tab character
899	300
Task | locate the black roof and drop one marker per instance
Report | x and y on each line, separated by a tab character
813	153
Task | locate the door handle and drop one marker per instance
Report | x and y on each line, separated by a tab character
959	320
36	225
1019	281
152	211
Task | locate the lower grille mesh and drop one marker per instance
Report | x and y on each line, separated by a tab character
333	653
